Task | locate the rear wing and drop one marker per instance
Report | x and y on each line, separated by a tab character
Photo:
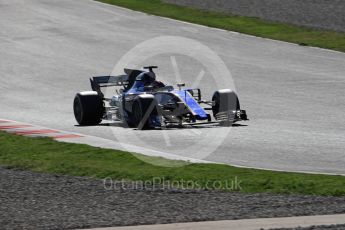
126	80
107	81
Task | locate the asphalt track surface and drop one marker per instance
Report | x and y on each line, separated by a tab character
293	95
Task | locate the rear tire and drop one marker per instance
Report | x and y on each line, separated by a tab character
88	108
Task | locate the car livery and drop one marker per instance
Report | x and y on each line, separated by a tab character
144	103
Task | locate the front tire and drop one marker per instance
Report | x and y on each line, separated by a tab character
142	111
224	101
88	108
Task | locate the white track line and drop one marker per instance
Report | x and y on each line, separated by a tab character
111	144
245	224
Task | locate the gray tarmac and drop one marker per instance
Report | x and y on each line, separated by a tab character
294	95
37	201
322	14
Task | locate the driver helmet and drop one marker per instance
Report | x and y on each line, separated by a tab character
146	78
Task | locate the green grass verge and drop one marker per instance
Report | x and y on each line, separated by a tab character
247	25
47	155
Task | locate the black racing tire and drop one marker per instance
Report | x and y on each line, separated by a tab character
129	121
142	109
88	108
224	100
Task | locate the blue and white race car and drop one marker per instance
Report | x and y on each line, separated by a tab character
145	103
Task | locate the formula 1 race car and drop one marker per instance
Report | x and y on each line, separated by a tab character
143	102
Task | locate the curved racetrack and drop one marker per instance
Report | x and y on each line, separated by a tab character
294	95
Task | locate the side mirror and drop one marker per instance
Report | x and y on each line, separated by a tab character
180	85
148	88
